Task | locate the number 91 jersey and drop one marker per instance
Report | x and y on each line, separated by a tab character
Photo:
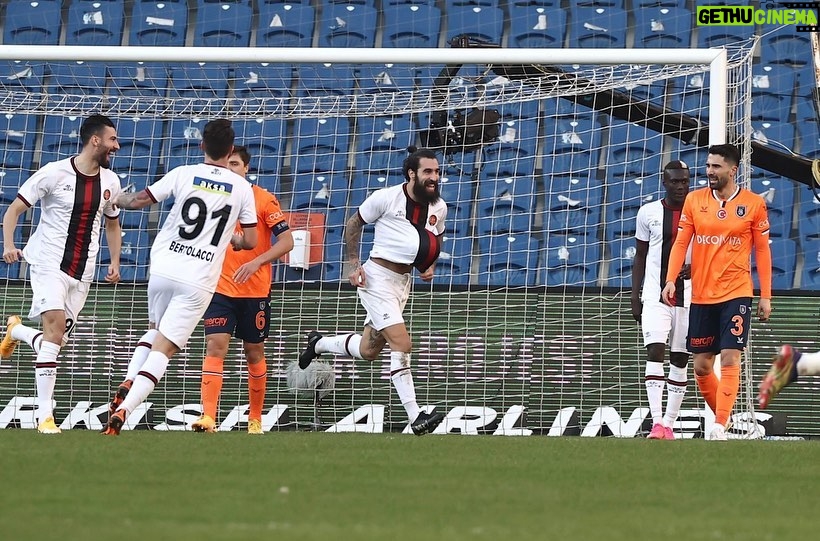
208	200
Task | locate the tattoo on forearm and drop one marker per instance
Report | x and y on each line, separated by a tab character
353	236
131	201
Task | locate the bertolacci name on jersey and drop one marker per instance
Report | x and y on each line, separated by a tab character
192	251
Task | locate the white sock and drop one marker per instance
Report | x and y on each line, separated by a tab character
809	364
45	374
654	380
31	336
676	389
141	353
402	380
343	344
145	381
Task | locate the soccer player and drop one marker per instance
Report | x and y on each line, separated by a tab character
74	194
186	258
656	228
409	221
723	221
241	305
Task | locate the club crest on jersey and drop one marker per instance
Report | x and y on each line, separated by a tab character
740	211
721	214
433	219
107	195
212	185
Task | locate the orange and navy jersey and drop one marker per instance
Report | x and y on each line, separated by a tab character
723	234
271	221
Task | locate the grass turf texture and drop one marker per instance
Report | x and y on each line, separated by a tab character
180	486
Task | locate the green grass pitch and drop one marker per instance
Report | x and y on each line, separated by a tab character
391	487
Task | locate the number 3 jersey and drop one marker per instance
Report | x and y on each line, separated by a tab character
208	201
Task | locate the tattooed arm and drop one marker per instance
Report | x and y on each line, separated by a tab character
132	201
353	240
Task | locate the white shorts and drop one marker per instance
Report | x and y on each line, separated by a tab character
52	289
662	323
385	295
176	308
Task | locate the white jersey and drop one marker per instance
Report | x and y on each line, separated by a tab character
406	232
657	224
208	201
72	204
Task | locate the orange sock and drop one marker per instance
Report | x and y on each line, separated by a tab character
708	386
211	385
257	380
727	392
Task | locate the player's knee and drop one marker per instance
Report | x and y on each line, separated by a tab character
654	352
254	353
679	359
369	353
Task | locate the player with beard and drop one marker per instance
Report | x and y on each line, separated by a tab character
409	224
74	194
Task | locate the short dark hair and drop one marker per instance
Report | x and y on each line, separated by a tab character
411	162
217	138
674	165
730	153
243	153
94	125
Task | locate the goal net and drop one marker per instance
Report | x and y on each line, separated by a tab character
526	328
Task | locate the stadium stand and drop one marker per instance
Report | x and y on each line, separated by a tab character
662	26
571	261
32	23
347	25
285	25
223	25
597	26
535	26
159	23
91	22
507	260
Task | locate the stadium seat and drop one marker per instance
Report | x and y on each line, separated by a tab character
484	24
810	277
544	3
533	26
347	25
29	22
601	3
200	81
17	133
320	145
772	88
514	152
318	80
94	22
505	205
265	140
136	249
459	193
621	258
362	185
623	199
775	134
411	25
690	94
257	82
318	191
223	25
137	80
285	25
184	138
564	109
61	138
159	23
783	264
783	44
633	151
641	4
454	262
573	204
377	78
663	27
381	143
809	138
654	93
691	155
571	261
77	84
12	271
509	260
137	160
20	75
808	217
778	193
10	182
718	36
598	27
571	146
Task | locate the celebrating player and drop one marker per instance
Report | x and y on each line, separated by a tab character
241	305
409	221
186	258
74	194
656	228
723	221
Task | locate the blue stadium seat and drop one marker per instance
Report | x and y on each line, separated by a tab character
571	146
571	261
809	138
318	191
184	138
808	217
659	3
573	204
12	272
61	138
454	262
481	23
778	193
784	45
450	4
633	151
285	25
534	26
514	152
563	109
137	80
411	25
784	261
137	160
718	36
653	93
623	199
544	3
509	260
598	27
459	193
691	155
374	78
772	88
10	182
77	83
806	105
136	249
621	258
775	134
320	145
92	22
691	95
810	277
361	186
256	82
22	75
806	110
32	23
601	3
663	27
381	144
347	25
265	140
200	81
223	25
17	133
320	80
159	23
505	205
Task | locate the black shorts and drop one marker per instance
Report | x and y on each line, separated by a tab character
247	319
713	327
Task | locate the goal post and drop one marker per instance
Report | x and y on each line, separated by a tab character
526	328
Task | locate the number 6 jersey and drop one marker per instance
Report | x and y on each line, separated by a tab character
208	200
